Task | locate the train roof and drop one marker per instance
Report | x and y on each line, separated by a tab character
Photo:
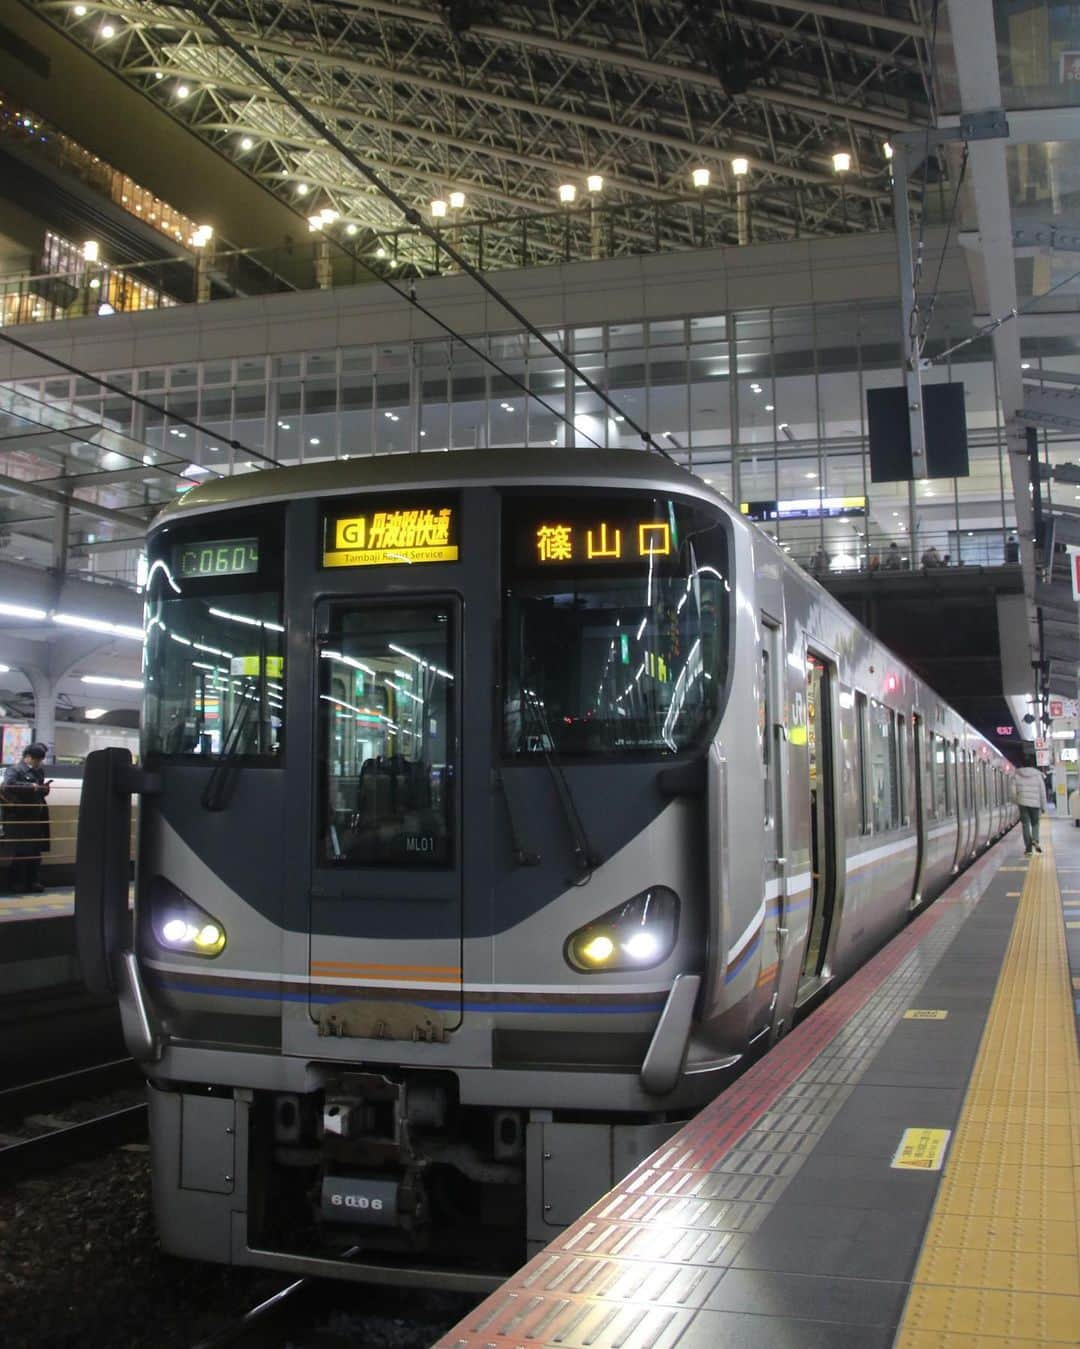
587	467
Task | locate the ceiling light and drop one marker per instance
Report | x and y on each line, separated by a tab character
700	177
98	625
92	713
21	611
107	31
423	433
567	193
595	182
91	250
285	426
302	189
314	440
393	262
182	91
1025	365
841	161
80	11
740	167
113	683
350	230
457	201
811	475
380	252
783	426
159	74
770	407
438	209
94	283
246	143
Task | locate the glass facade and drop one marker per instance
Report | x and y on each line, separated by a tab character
768	406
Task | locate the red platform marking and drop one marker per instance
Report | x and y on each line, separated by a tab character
510	1319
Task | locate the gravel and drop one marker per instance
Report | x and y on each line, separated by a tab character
80	1266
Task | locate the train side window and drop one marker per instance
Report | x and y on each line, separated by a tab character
941	777
926	750
765	725
883	785
902	813
860	739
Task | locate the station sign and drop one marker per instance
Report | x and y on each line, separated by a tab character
1070	68
1042	758
1069	754
1004	731
1056	707
379	534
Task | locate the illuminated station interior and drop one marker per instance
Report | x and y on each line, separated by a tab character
819	259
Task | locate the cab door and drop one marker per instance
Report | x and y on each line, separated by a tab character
386	880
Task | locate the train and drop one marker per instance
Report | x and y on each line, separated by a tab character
495	810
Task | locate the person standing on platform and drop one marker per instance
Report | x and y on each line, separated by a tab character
1074	807
893	559
26	818
1029	793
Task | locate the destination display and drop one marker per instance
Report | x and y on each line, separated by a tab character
215	557
808	508
390	536
605	536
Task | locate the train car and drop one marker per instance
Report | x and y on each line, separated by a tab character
495	809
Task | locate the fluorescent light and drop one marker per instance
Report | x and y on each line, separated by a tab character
21	611
5	669
246	143
113	682
92	713
98	625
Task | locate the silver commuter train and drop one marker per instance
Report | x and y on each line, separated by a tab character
495	808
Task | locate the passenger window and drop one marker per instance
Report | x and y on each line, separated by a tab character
765	723
860	736
884	796
901	771
926	748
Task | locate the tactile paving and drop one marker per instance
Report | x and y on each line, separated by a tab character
1001	1259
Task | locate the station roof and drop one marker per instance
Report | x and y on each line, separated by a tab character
507	102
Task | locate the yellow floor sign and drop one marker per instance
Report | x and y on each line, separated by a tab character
921	1150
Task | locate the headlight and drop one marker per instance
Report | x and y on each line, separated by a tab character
179	924
639	933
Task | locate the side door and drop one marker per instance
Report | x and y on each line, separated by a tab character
921	787
773	812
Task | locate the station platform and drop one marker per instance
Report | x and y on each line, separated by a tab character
56	902
903	1169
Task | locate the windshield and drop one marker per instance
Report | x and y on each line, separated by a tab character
616	621
214	666
215	674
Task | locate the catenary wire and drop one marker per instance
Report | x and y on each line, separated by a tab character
990	327
411	215
135	398
935	290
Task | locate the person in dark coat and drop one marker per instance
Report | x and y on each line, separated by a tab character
26	819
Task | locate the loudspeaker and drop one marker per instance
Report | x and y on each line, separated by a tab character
944	429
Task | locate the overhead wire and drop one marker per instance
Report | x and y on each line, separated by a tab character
917	261
988	328
924	328
415	220
148	403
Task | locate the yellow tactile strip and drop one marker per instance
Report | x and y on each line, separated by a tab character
1000	1263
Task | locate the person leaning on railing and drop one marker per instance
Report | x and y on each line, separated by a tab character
23	797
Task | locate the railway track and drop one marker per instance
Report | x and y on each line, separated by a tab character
34	1135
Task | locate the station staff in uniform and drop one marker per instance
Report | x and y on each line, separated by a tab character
1029	793
26	819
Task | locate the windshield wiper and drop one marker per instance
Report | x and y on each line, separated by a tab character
216	792
585	858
